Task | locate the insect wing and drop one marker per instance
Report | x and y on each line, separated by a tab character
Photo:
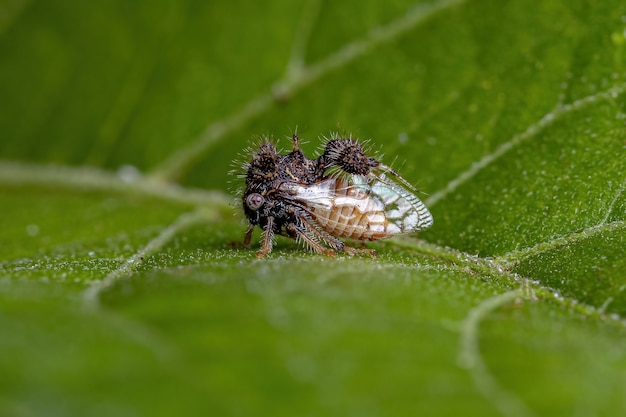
361	207
402	207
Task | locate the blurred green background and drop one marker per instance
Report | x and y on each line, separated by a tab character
119	122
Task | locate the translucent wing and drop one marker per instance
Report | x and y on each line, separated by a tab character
361	207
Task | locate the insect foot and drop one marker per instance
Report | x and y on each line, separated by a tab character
343	193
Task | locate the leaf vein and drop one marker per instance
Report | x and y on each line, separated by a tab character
296	63
470	358
609	211
532	131
96	179
296	78
511	258
91	295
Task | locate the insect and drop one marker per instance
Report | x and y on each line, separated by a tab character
342	194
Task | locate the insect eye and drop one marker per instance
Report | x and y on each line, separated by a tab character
254	201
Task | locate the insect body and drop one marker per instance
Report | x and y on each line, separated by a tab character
341	194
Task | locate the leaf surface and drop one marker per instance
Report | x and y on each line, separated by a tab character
123	291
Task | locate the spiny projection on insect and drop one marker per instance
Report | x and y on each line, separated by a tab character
342	194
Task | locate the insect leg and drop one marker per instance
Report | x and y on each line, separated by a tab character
355	251
248	236
305	235
334	242
314	228
268	238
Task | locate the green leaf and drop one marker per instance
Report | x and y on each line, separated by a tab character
123	290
